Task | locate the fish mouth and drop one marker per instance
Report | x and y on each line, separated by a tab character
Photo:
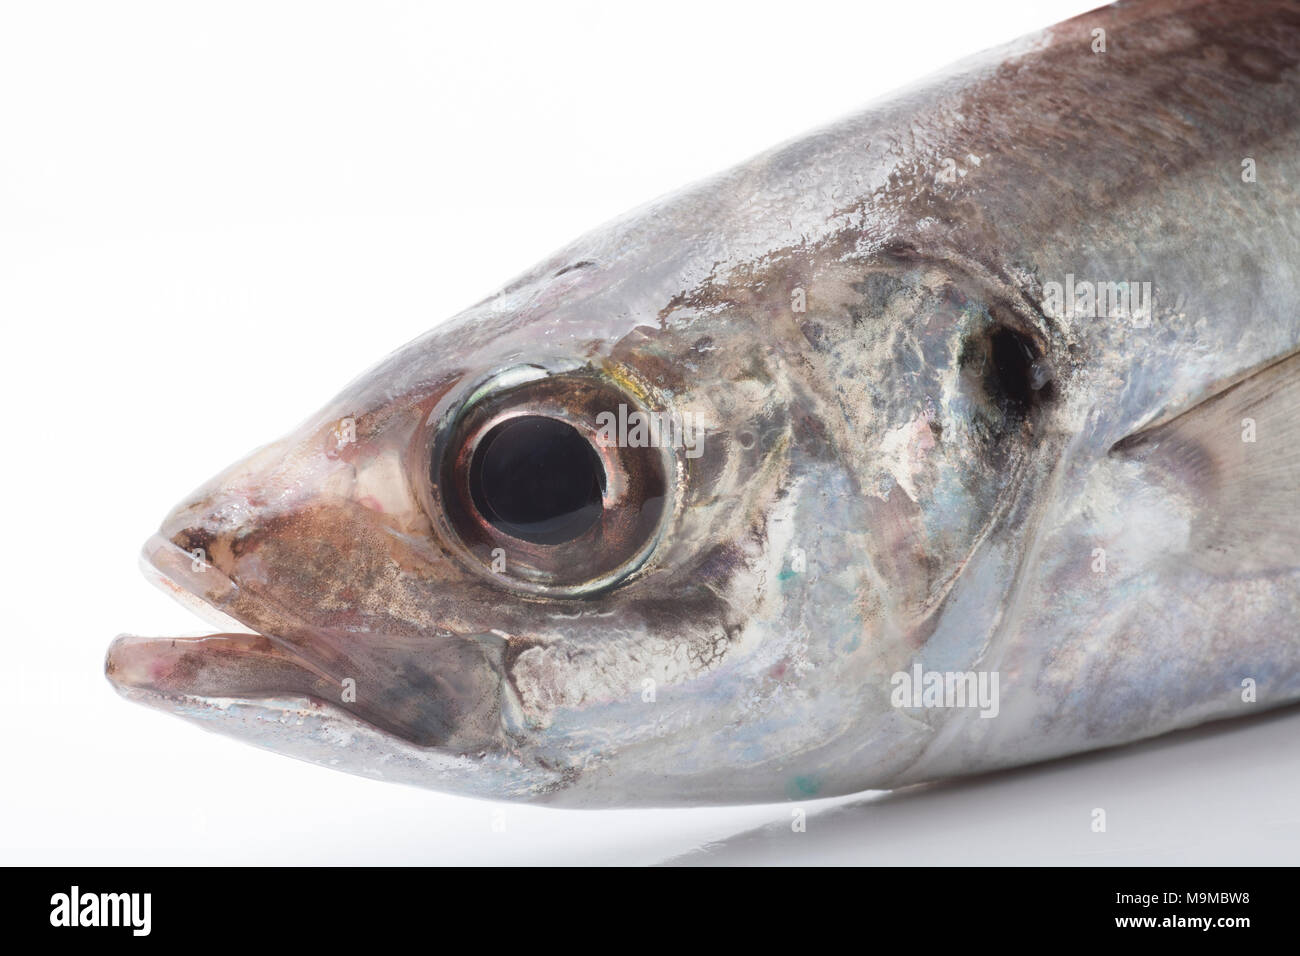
182	673
257	688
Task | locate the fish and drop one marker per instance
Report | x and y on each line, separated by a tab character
958	435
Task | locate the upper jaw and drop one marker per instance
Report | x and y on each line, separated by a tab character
193	580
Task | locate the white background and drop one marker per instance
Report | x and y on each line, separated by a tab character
212	216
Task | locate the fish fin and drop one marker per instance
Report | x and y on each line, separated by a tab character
1236	457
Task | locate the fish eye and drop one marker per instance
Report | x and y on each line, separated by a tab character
537	479
526	485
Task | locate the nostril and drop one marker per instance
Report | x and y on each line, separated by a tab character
197	542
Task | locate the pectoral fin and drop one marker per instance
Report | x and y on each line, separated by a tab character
1235	457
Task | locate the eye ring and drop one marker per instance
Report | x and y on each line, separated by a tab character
614	525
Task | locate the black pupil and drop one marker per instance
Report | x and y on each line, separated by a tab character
537	479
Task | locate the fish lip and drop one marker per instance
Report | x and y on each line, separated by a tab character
199	585
303	726
202	588
148	670
196	583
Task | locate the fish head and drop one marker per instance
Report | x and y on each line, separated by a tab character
594	544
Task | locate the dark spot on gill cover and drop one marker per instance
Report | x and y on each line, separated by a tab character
1009	369
1010	372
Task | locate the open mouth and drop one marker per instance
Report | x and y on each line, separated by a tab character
261	688
236	663
257	688
261	657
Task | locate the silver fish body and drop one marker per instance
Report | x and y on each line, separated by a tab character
913	504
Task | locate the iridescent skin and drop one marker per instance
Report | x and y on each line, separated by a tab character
934	524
